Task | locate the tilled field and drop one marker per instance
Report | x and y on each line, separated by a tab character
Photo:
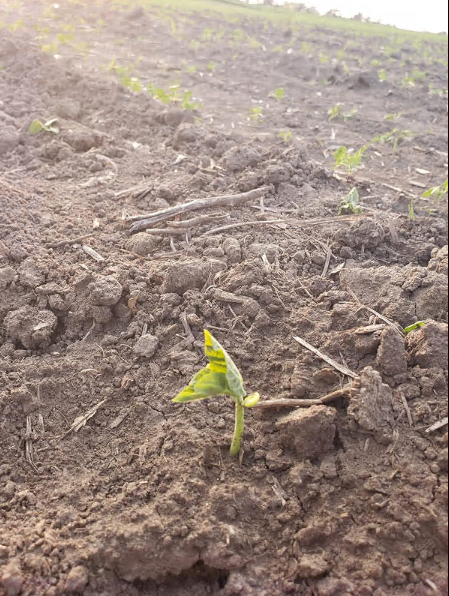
107	487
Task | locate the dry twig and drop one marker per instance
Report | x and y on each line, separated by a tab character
143	222
343	369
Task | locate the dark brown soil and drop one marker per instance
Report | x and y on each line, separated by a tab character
142	497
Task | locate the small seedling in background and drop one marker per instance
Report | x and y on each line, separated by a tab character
390	117
411	210
436	192
286	136
414	327
211	66
395	136
278	93
350	115
256	114
350	204
349	159
383	77
408	81
334	112
37	126
220	377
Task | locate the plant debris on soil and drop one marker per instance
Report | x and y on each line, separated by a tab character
187	182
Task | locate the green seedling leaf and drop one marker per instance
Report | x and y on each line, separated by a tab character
436	192
220	377
203	385
414	327
351	203
36	127
221	362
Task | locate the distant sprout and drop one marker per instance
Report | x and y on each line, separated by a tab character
211	66
395	136
256	114
408	81
383	76
220	377
390	117
278	93
419	75
334	112
349	159
411	210
350	204
187	102
350	115
286	136
436	192
50	126
324	59
375	63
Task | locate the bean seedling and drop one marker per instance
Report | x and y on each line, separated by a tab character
414	327
436	192
286	136
334	112
348	159
220	377
278	93
50	126
350	204
256	114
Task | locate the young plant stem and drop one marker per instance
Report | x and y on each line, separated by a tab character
239	428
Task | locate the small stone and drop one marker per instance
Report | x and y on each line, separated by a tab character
372	406
12	579
9	140
312	566
146	346
7	275
318	258
391	356
331	586
77	579
442	460
310	432
143	244
101	314
105	291
189	275
122	312
233	250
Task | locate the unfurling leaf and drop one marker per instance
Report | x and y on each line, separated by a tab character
204	384
221	362
36	127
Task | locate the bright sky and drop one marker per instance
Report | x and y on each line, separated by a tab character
431	15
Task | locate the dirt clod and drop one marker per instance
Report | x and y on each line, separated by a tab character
77	580
428	346
30	327
372	406
391	356
312	566
105	291
146	346
310	432
12	579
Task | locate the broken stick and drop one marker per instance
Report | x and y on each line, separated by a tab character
343	369
143	222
